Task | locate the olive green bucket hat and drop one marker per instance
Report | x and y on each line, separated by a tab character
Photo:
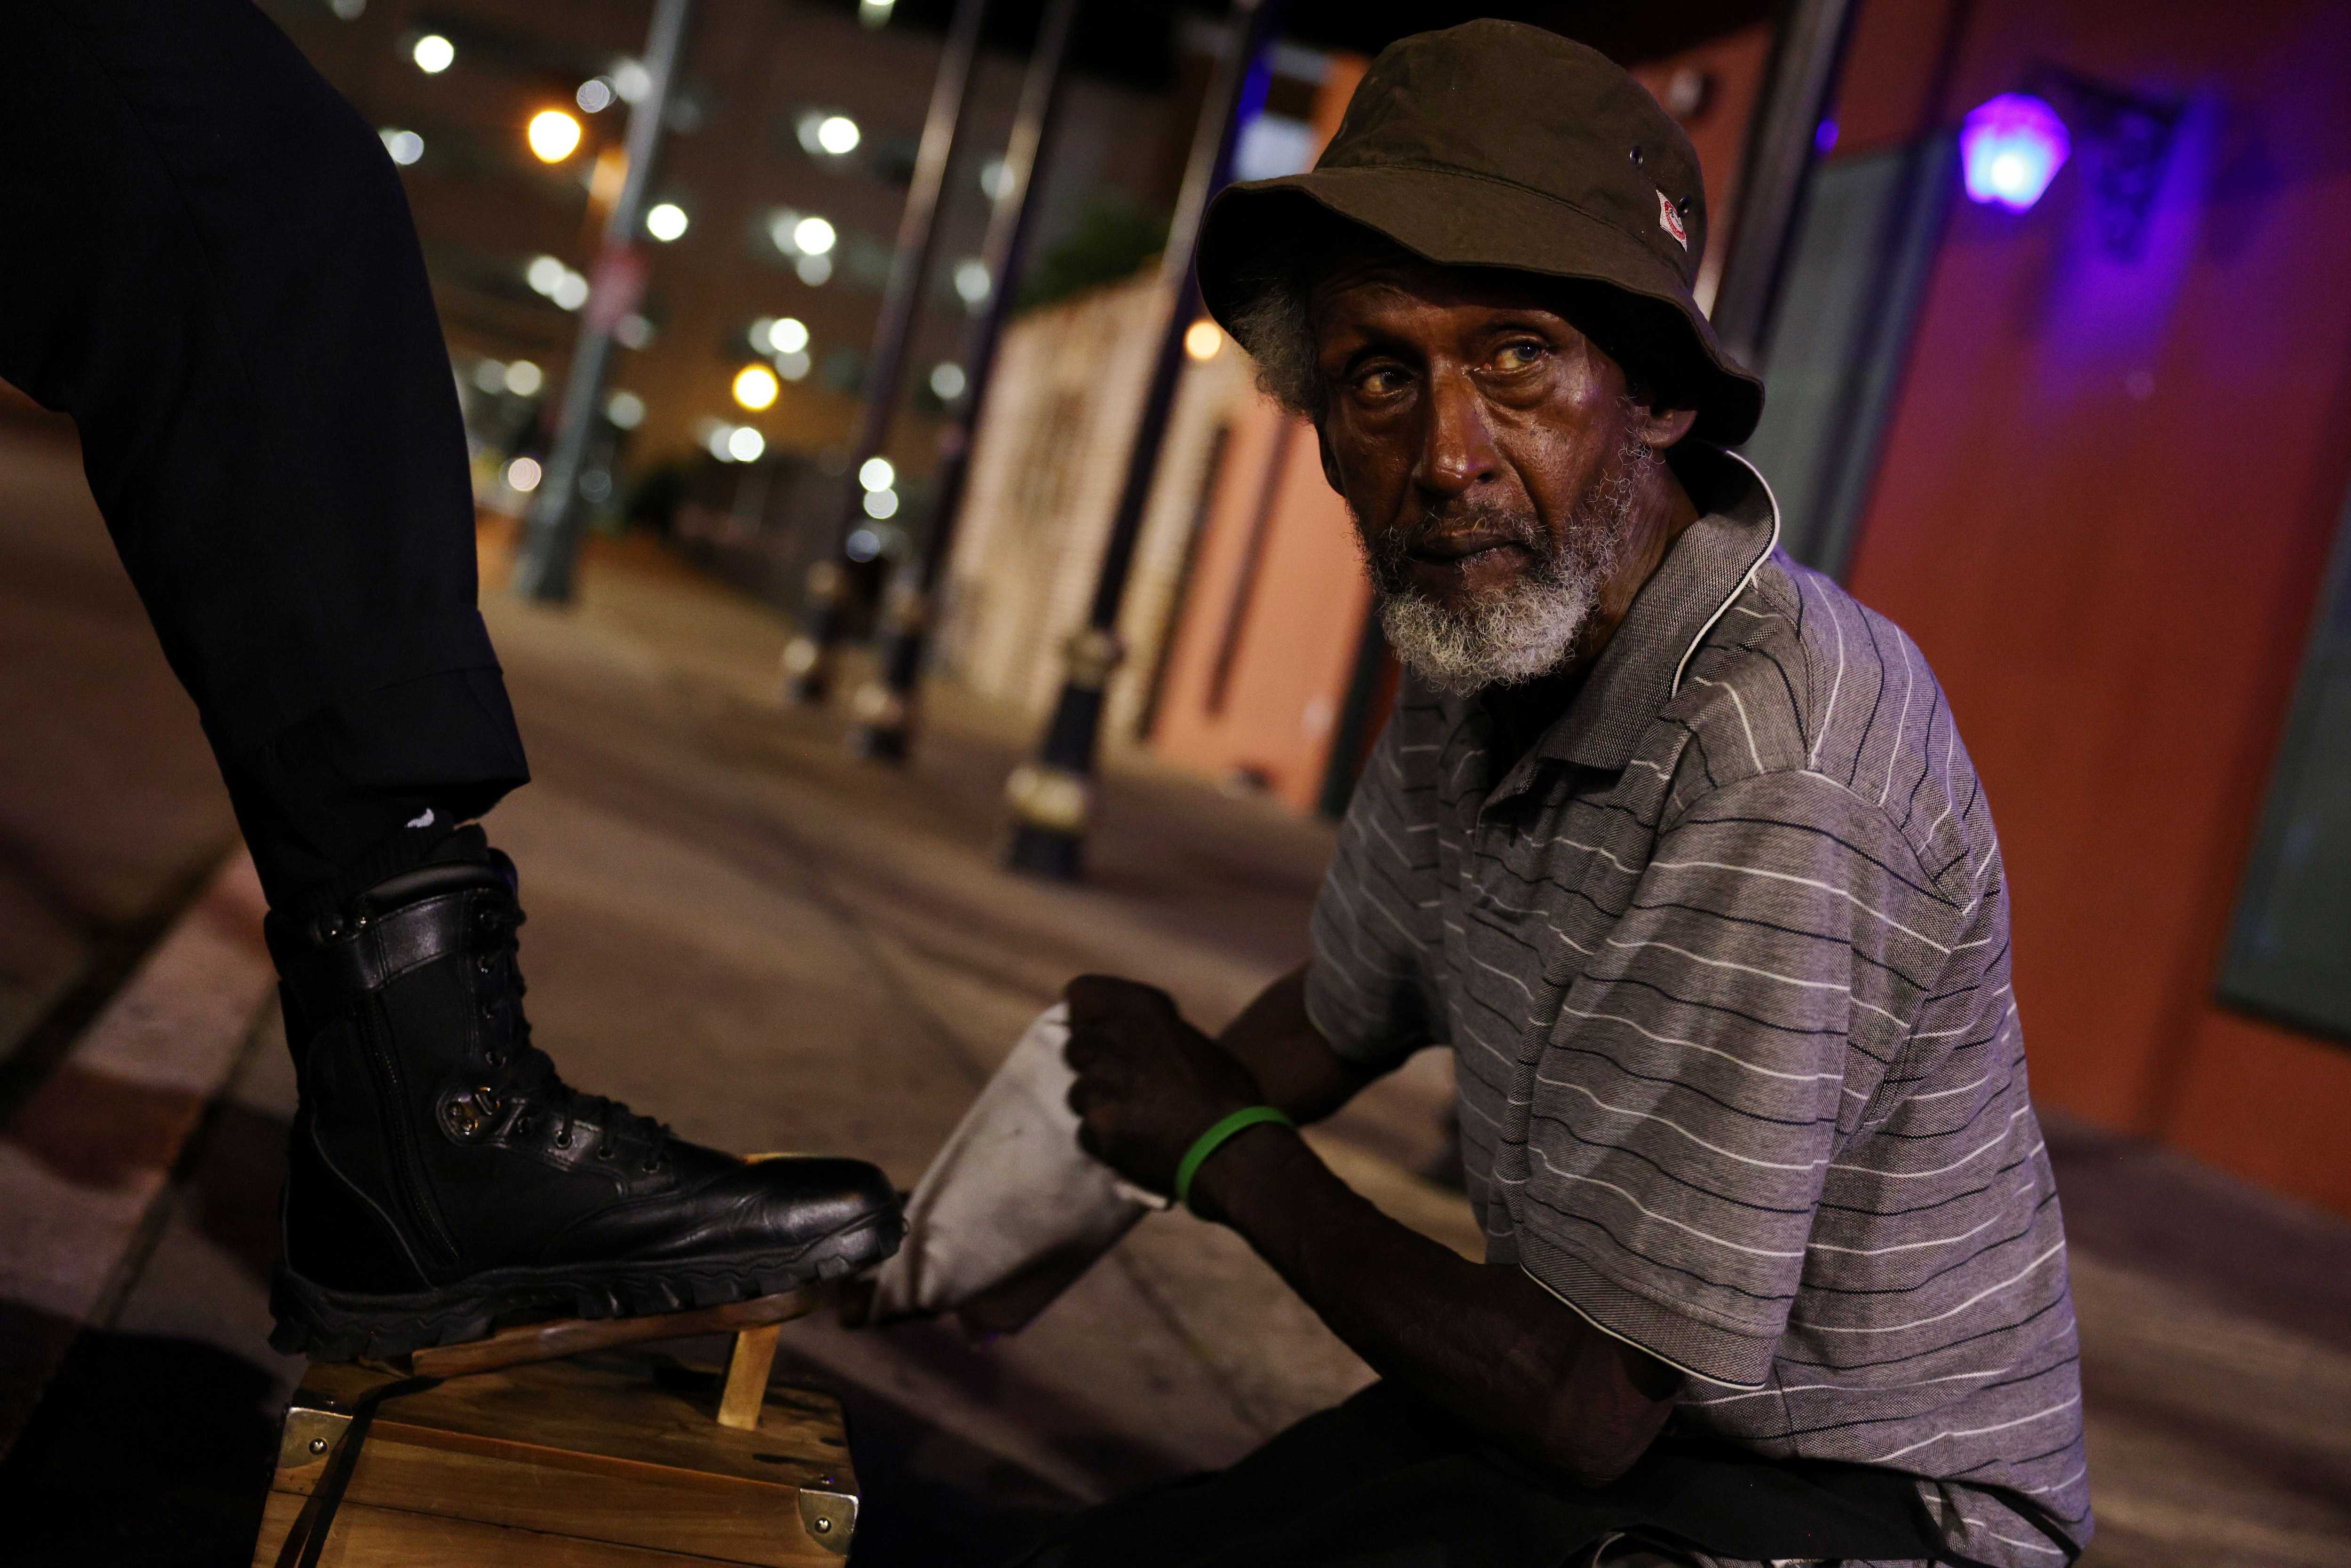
1498	144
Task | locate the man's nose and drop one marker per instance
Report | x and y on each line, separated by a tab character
1458	450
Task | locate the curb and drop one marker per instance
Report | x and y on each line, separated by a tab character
86	1159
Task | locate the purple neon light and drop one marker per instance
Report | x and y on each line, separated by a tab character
2011	147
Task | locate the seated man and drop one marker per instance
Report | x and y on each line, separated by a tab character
1678	847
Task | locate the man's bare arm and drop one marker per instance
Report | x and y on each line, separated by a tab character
1294	1066
1486	1342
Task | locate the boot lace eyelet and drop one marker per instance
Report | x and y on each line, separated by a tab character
606	1152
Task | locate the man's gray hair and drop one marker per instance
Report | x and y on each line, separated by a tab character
1275	332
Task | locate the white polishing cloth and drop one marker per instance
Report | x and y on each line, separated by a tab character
1012	1210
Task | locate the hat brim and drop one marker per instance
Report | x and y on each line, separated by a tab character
1456	218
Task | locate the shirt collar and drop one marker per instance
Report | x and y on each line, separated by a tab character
1710	565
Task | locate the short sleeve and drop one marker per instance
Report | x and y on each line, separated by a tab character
1708	1061
1368	990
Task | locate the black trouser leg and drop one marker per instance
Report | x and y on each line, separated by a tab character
209	263
1387	1481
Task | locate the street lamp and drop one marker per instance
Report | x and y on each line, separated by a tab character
756	387
553	135
2011	147
1051	797
808	660
542	569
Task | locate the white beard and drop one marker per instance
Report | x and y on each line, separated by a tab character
1529	627
1512	636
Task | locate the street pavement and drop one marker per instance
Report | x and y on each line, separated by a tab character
738	926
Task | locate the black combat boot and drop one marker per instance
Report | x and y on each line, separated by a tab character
443	1181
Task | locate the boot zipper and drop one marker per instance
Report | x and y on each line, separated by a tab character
400	1135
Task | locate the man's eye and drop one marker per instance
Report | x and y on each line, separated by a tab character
1381	381
1517	356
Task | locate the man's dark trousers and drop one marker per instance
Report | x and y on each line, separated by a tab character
208	262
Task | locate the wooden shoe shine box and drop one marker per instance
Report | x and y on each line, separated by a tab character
603	1462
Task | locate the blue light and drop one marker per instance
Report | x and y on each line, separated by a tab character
2011	147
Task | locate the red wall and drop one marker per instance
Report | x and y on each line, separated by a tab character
2103	503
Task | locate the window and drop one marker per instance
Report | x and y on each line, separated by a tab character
1841	335
2289	953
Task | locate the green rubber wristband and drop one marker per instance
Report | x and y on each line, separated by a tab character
1209	1142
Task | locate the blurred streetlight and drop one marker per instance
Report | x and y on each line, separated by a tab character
832	133
405	146
876	474
1203	339
814	236
434	54
665	222
523	475
756	387
875	12
625	410
553	135
971	280
595	95
744	444
524	379
947	380
787	335
881	505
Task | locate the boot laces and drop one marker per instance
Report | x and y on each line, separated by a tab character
526	1075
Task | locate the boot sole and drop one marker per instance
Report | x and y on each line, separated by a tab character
336	1325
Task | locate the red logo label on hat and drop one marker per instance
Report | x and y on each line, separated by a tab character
1672	221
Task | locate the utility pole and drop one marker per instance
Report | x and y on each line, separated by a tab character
1052	797
550	546
886	704
808	657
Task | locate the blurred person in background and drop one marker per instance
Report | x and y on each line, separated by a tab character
209	265
1678	847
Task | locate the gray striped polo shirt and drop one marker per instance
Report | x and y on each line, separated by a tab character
1724	964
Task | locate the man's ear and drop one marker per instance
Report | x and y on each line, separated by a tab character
1662	427
1330	464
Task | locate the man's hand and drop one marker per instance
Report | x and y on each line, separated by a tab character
1148	1082
1483	1341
